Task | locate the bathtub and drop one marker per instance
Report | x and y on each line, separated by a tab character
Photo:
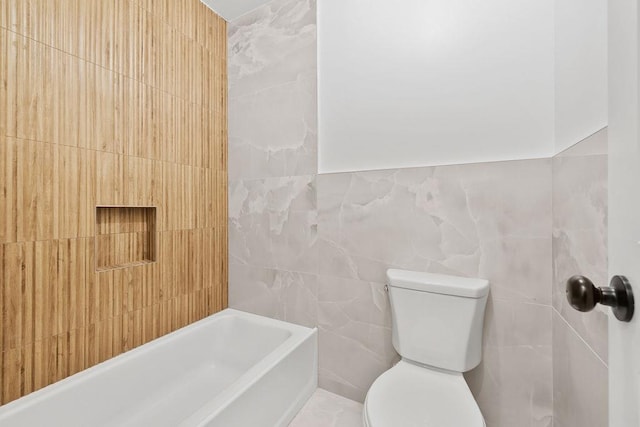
229	369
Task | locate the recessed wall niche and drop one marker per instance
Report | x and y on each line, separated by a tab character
125	236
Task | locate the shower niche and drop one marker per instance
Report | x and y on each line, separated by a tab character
125	236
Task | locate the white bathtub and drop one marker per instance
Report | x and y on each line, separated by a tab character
229	369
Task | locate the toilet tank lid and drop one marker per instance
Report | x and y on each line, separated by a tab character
438	283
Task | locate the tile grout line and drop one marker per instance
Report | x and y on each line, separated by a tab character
580	337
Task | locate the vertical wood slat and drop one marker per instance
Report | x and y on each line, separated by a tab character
106	103
2	309
4	82
26	200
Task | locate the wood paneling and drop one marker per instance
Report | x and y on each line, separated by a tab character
119	102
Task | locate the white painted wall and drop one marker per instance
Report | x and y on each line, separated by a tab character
580	70
428	82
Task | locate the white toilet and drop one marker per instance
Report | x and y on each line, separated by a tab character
437	329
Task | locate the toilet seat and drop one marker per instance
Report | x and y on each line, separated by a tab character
409	395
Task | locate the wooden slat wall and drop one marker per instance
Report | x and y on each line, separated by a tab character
106	102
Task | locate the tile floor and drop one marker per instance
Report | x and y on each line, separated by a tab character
325	409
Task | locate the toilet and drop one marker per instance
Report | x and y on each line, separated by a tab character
437	330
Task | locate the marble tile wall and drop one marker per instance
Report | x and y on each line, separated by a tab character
272	91
470	220
313	249
580	340
273	161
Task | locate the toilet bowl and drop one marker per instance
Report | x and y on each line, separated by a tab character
437	330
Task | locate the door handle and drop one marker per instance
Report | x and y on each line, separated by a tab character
583	296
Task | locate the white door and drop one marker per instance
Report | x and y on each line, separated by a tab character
624	207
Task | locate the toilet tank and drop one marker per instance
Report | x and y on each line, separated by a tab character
437	319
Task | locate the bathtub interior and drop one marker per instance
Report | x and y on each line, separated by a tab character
161	384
